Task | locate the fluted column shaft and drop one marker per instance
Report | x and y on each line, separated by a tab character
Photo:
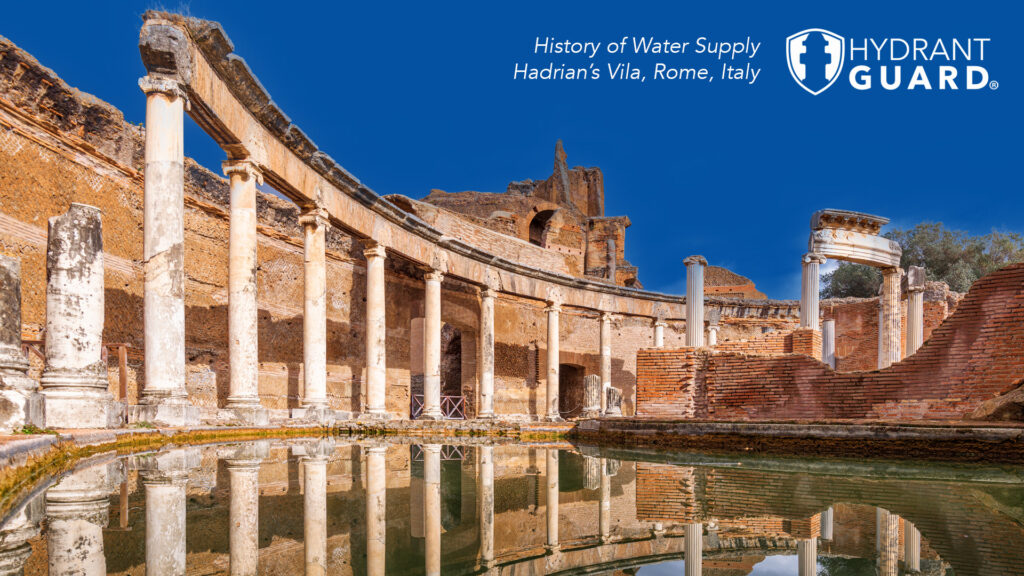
243	311
828	342
693	560
163	243
911	547
376	510
432	347
606	358
889	545
809	290
314	317
551	471
551	398
244	520
807	557
376	366
695	300
486	505
915	319
659	334
432	507
827	524
314	514
486	409
889	331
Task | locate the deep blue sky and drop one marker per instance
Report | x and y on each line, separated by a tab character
416	96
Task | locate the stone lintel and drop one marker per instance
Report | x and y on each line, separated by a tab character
847	220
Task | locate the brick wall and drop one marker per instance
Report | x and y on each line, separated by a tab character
975	355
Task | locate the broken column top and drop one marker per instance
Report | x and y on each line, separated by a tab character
847	220
10	302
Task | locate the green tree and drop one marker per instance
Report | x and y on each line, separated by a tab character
952	256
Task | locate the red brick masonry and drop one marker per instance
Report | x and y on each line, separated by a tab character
974	356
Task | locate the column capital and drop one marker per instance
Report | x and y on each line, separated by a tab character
892	270
314	216
488	292
553	306
660	322
434	276
243	167
607	316
695	260
813	258
375	250
167	86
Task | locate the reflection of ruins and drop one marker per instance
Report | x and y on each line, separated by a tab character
319	507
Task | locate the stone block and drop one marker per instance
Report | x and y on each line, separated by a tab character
614	405
164	414
591	396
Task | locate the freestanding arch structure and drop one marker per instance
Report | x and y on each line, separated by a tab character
853	237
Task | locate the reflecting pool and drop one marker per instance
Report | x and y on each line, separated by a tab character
342	506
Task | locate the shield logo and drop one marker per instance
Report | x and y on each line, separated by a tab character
815	58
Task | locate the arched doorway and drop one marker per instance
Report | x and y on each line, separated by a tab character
570	390
539	226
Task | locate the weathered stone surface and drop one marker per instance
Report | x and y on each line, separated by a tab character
614	402
591	396
20	403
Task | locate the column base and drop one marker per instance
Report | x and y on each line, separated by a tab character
164	414
380	416
320	415
71	407
487	416
432	417
595	413
553	419
249	414
20	408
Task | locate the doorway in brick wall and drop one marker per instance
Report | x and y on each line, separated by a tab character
570	390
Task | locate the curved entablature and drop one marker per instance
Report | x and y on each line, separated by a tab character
853	237
227	100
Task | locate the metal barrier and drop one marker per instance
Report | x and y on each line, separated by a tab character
452	407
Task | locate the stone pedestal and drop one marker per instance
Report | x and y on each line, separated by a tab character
432	507
551	397
915	308
163	400
432	348
592	396
614	402
889	331
828	343
551	470
659	334
20	402
165	476
810	289
376	365
486	501
376	509
606	356
75	386
693	559
695	300
314	318
243	310
77	511
486	409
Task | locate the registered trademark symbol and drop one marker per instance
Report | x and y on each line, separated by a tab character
993	84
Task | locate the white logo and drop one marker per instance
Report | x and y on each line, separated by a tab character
815	58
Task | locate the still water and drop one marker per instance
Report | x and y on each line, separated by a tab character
338	506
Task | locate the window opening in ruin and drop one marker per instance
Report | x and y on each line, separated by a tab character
570	390
539	226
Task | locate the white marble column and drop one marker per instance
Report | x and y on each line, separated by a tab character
888	544
915	308
314	316
659	333
605	514
551	470
486	409
243	310
163	399
551	397
17	391
889	331
911	547
828	343
695	300
807	557
314	512
77	511
693	560
376	509
432	347
75	386
165	476
244	511
810	289
713	335
376	335
20	527
432	507
606	358
827	523
486	500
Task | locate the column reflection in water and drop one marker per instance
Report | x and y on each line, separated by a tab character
552	500
693	560
165	477
376	505
244	471
911	547
77	510
888	544
315	456
21	526
432	507
605	514
826	524
807	556
486	472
